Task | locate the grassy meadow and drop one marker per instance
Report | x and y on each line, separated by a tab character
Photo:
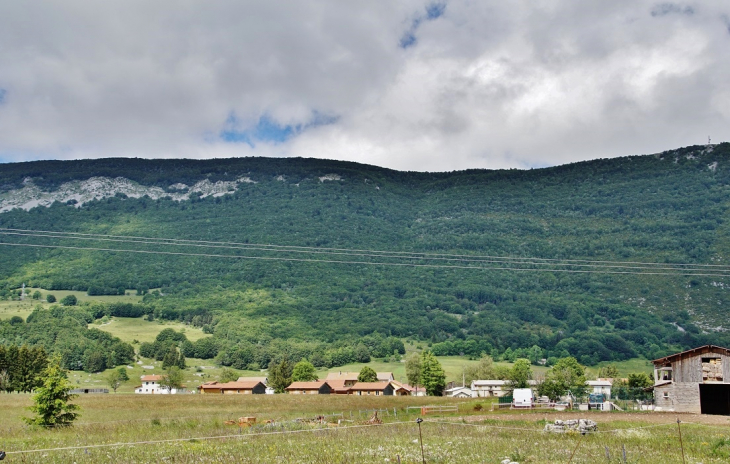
191	428
10	308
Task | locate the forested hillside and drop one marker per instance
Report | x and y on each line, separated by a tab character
603	260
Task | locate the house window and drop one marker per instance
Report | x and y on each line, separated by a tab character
665	395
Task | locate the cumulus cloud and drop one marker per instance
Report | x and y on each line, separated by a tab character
416	84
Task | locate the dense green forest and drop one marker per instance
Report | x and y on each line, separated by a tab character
602	260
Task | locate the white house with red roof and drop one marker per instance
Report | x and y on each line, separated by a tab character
151	385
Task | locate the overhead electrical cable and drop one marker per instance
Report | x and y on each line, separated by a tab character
605	270
355	250
369	253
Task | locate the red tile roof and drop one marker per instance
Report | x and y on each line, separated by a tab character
307	385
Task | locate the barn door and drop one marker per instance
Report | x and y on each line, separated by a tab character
715	399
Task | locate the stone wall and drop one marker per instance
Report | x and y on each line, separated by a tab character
678	397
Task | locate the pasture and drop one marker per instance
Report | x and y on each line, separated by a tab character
191	428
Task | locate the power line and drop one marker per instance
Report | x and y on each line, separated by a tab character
355	250
377	254
598	266
365	263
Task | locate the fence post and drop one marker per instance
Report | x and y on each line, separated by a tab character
679	429
420	437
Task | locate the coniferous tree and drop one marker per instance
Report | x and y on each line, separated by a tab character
280	375
52	407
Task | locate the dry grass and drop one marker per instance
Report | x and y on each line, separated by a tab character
189	420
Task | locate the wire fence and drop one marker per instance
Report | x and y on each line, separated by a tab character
264	432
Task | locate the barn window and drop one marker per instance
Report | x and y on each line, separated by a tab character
665	394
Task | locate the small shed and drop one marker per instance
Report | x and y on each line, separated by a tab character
696	380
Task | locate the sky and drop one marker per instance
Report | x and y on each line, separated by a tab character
409	85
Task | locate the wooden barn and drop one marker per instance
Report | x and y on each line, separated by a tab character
696	380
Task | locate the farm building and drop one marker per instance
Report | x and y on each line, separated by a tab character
233	388
320	387
85	391
696	380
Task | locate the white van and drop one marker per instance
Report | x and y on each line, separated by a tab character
522	398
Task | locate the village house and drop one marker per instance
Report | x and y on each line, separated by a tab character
459	392
372	388
264	380
602	386
403	389
696	380
320	387
350	378
151	386
233	388
496	388
413	391
339	387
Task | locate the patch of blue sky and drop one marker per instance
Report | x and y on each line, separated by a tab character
433	11
3	95
268	130
408	40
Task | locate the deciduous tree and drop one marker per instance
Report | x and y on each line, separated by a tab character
304	371
172	379
565	376
228	375
432	374
413	369
114	380
367	374
520	374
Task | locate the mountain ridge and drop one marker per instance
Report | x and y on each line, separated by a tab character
593	218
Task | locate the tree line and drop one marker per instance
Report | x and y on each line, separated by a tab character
20	367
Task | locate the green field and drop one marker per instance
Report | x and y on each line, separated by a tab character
191	429
10	308
136	328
